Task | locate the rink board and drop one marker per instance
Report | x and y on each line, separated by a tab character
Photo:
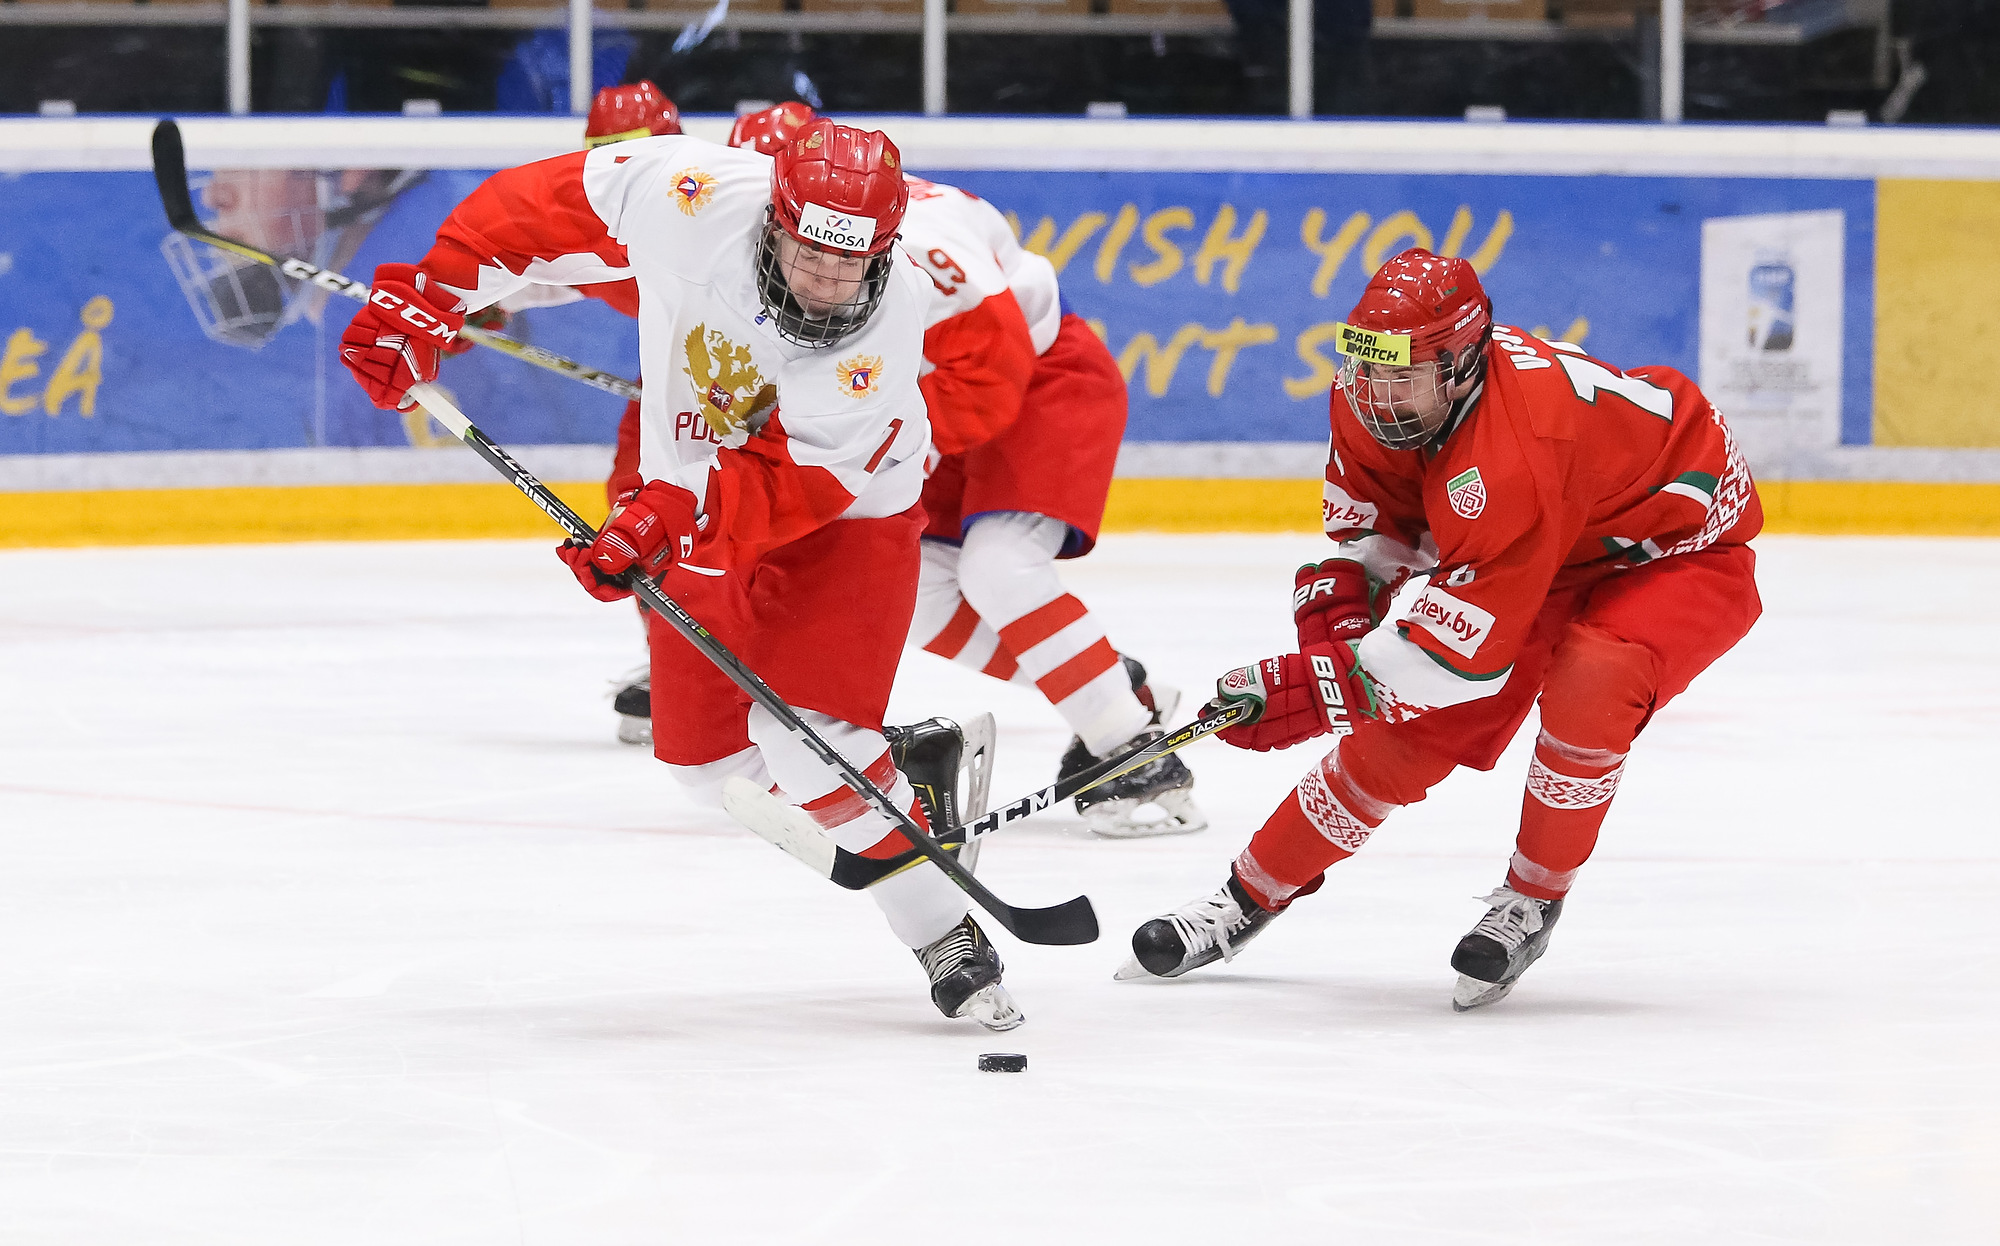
1791	270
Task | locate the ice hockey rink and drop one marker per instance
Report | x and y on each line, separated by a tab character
332	912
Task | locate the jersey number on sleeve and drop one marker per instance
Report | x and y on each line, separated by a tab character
945	264
1587	377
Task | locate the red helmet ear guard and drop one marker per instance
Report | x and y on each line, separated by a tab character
840	188
635	110
768	129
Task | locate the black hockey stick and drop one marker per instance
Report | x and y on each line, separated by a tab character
170	172
856	872
1073	921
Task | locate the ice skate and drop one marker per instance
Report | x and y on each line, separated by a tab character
964	969
1512	936
951	768
1155	799
1162	699
634	703
1198	933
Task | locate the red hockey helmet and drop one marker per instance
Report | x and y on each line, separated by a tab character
769	129
636	110
1415	344
837	202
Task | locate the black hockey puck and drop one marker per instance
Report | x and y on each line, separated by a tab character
1002	1062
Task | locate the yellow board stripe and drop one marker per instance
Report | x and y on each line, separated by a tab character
285	513
439	511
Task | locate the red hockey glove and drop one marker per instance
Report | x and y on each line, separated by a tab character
645	529
1337	600
1297	696
492	319
397	337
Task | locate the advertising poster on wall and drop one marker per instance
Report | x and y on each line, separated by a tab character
1772	326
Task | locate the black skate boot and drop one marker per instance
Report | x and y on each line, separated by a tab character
1113	809
951	768
1200	932
1162	699
1512	936
964	969
634	702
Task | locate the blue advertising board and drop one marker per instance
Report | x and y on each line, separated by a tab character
1216	291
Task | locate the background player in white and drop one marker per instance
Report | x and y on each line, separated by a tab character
1027	409
782	439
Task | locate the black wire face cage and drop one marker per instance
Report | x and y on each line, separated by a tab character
789	316
1423	393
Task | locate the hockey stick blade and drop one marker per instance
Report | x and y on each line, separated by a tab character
170	172
856	872
1071	922
792	830
170	175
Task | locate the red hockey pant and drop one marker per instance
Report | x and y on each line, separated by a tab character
1603	657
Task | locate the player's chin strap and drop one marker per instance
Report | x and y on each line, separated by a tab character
1459	410
1073	921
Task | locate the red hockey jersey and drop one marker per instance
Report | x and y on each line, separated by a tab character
1565	469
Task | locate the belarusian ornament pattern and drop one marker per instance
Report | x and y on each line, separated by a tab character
1562	791
1329	817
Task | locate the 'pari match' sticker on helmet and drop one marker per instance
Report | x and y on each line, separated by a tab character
1371	347
843	230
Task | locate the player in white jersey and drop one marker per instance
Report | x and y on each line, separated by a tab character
781	450
1027	409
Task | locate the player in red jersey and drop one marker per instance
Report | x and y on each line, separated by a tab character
782	440
1584	533
1027	408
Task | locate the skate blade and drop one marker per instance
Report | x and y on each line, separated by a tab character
992	1007
1132	971
1119	819
1471	993
634	730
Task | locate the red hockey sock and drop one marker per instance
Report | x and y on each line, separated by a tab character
1569	792
1326	819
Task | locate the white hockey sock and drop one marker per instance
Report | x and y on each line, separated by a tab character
947	625
703	783
1007	572
920	904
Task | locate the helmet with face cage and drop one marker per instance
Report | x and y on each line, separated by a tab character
1419	332
837	202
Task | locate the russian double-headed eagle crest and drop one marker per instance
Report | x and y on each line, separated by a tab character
729	390
859	375
692	190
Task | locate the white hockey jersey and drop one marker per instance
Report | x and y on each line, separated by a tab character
994	308
772	439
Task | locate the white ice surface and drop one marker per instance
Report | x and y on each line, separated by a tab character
331	913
